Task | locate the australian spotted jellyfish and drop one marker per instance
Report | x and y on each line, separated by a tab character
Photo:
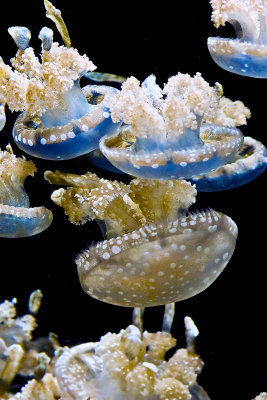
170	133
248	164
24	359
247	54
155	252
59	120
132	365
17	218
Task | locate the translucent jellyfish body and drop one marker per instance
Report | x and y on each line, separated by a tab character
172	133
59	120
159	265
130	366
247	54
97	159
17	218
248	164
155	253
54	138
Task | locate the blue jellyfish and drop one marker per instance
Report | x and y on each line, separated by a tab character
59	120
247	54
170	133
248	164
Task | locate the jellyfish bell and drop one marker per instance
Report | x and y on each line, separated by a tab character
247	54
159	264
247	165
17	218
170	133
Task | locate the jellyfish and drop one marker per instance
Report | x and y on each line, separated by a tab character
262	396
59	120
22	356
126	365
248	164
155	252
247	54
17	218
170	133
131	365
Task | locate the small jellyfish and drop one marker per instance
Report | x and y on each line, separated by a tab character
59	120
171	133
248	164
247	54
155	253
17	218
131	365
22	358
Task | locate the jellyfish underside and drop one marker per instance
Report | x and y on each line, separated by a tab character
96	158
155	253
177	132
247	165
182	158
17	218
247	54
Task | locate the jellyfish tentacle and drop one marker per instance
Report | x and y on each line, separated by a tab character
168	317
21	36
138	317
191	333
46	36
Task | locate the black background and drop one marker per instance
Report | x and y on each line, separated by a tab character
139	39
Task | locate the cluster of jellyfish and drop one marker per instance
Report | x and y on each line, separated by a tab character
173	141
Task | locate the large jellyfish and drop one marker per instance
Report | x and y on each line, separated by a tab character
155	253
247	54
171	133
